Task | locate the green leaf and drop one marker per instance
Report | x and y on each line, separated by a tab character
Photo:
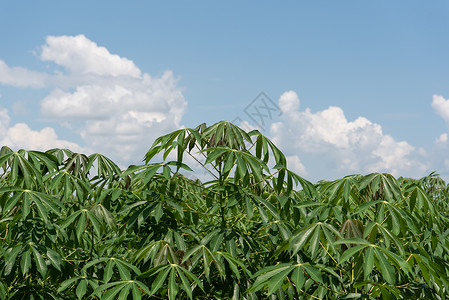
298	278
159	281
313	272
386	268
123	271
369	262
315	242
263	214
13	200
299	240
158	212
25	263
81	225
136	293
10	259
192	277
263	275
40	262
172	285
277	280
107	275
350	252
166	172
81	288
185	284
364	206
69	220
111	293
54	258
125	291
66	283
216	241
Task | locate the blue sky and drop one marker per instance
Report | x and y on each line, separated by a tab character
361	87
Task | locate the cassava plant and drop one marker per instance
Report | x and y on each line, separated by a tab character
76	226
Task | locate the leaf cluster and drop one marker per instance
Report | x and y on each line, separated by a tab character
76	226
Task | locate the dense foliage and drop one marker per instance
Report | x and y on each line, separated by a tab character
74	226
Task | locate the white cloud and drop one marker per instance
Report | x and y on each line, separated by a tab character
117	116
115	108
294	164
87	102
288	102
338	147
441	106
442	139
4	122
21	136
394	156
21	77
82	56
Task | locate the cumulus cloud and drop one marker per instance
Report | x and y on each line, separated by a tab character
441	106
21	136
442	139
81	55
21	77
340	146
294	164
104	98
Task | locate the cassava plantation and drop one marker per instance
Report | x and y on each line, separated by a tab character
78	227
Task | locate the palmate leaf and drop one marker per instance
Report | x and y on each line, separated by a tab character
275	276
75	228
263	148
104	215
187	279
148	252
44	162
23	172
80	220
244	162
374	228
307	187
30	201
381	186
77	164
209	258
226	134
32	254
312	235
106	168
184	140
148	172
352	228
343	192
67	185
126	288
234	263
418	198
387	262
